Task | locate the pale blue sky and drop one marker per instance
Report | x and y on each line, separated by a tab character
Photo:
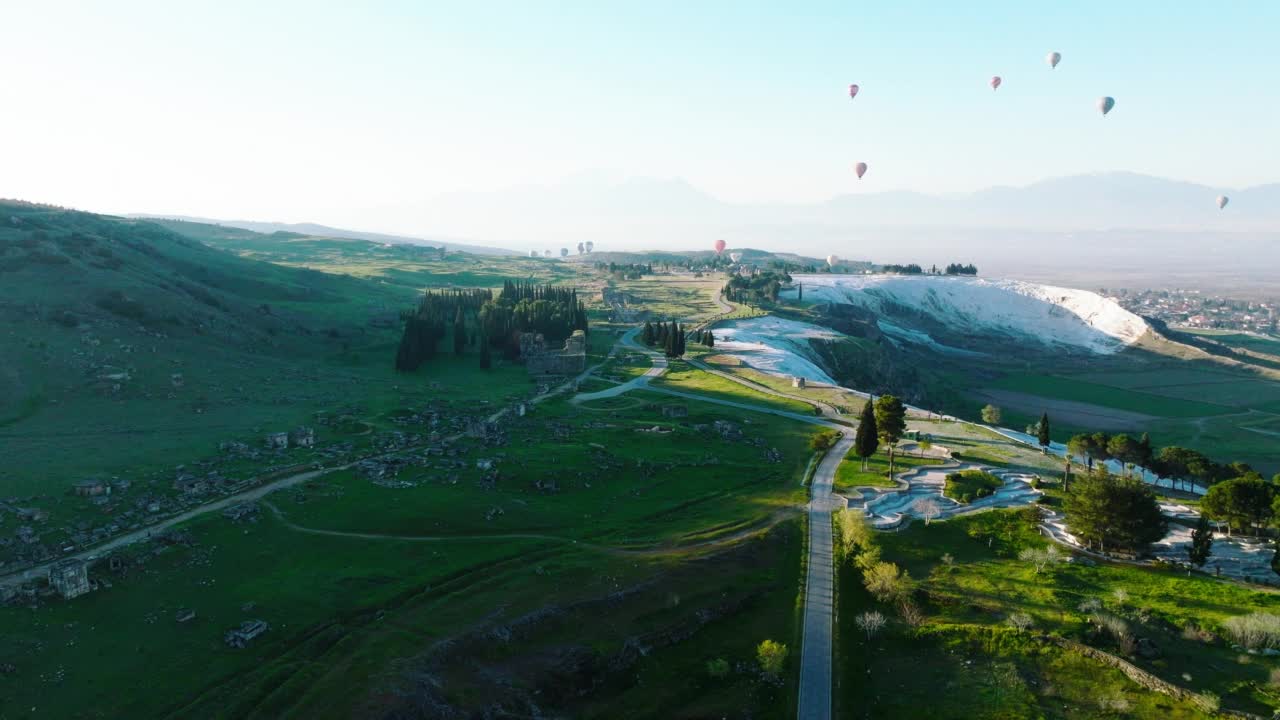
310	111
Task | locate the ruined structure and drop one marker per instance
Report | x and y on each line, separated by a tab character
69	577
304	437
278	440
243	635
797	382
539	360
675	411
89	488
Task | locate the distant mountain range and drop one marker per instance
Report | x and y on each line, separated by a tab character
1115	229
325	231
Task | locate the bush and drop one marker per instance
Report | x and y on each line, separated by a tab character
718	668
968	485
772	656
1255	631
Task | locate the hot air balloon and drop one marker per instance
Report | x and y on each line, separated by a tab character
1105	104
1053	59
995	82
1222	201
853	91
735	256
564	252
581	248
590	246
832	260
546	253
720	246
860	169
533	253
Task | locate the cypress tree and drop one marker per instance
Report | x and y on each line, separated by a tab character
1201	542
867	438
1043	430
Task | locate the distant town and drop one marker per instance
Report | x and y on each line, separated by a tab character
1195	309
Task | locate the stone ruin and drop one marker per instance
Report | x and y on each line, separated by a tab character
540	360
243	635
797	382
675	411
277	440
303	437
70	577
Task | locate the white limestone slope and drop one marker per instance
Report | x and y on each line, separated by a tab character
1054	316
775	345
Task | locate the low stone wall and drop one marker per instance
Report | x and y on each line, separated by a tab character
1144	678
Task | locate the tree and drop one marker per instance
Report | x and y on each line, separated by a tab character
1120	513
887	582
1042	429
991	415
1201	542
711	339
870	622
1041	558
1243	502
459	332
866	439
927	508
1124	450
648	336
891	423
1081	446
772	656
485	361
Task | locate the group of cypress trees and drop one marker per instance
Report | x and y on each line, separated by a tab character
672	338
476	317
439	313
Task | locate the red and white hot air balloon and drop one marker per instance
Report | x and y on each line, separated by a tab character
720	246
995	82
860	169
853	91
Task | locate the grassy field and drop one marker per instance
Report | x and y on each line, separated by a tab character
850	473
1108	396
682	376
970	485
344	606
967	649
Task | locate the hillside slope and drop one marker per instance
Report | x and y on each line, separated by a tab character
125	342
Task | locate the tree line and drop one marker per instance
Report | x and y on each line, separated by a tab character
760	287
672	338
476	317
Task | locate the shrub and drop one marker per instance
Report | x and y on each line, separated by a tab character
718	668
870	622
772	656
1021	621
1255	631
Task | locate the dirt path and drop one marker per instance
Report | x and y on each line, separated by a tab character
658	550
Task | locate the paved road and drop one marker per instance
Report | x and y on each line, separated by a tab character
819	599
819	593
659	366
